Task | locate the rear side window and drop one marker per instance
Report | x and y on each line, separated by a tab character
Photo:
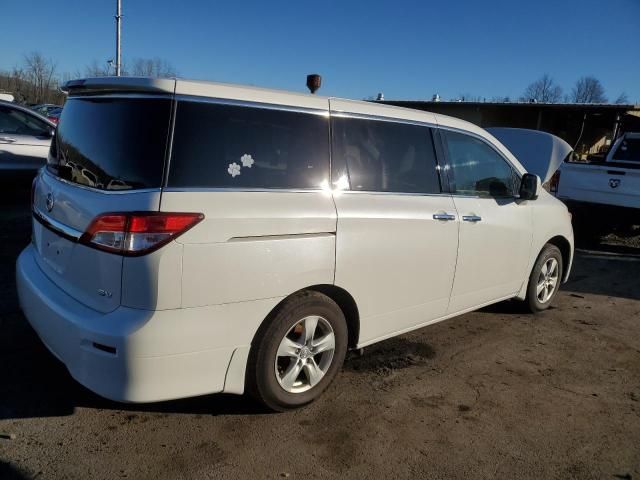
477	169
381	156
628	151
112	143
227	146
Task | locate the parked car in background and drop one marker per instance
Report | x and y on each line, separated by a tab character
45	108
25	138
230	250
54	115
603	194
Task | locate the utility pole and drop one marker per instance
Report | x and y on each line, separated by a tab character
118	31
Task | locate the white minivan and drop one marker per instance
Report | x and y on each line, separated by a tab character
194	237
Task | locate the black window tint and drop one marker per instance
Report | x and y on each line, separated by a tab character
224	146
112	143
628	151
476	168
380	156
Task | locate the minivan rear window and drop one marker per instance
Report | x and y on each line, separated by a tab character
112	143
230	146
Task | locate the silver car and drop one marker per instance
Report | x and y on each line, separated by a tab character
25	138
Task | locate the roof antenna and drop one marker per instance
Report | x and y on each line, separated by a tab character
314	81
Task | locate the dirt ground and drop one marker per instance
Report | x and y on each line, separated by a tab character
494	393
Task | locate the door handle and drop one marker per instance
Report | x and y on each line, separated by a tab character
7	140
471	218
443	216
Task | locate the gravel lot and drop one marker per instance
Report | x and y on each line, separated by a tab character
494	393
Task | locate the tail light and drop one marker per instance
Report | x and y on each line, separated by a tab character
554	182
53	119
137	233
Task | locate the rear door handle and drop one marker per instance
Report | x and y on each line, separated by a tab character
471	218
7	140
443	216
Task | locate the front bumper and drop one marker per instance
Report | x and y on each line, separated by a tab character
134	355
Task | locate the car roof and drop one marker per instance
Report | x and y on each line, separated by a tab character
250	93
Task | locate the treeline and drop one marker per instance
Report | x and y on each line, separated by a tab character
587	89
37	79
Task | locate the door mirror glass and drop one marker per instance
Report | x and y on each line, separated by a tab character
529	187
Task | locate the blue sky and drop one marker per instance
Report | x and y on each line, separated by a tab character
406	49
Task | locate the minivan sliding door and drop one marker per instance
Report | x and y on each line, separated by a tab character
397	235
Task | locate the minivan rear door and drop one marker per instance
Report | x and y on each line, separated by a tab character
108	156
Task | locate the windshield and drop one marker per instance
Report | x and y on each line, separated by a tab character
112	143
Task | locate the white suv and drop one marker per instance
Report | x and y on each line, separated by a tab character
191	237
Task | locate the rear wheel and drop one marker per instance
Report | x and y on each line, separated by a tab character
545	279
298	352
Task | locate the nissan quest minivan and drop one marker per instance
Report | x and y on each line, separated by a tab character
192	237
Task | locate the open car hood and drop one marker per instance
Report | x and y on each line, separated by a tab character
539	152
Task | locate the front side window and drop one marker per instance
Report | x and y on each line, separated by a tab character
17	122
382	156
477	169
226	146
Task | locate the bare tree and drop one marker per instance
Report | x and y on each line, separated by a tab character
543	90
622	99
40	73
588	90
144	67
95	69
153	67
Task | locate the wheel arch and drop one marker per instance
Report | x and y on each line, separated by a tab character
348	306
343	299
564	246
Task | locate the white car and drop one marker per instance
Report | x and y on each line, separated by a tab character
239	238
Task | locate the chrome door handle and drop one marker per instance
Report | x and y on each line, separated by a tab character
7	140
471	218
443	216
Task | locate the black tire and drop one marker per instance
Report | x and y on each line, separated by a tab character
532	302
261	380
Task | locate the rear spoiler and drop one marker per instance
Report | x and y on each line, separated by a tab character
539	152
120	84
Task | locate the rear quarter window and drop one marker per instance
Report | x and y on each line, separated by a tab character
228	146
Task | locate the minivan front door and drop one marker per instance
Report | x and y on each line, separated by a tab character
495	229
397	234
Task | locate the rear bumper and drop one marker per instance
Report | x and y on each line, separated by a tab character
134	355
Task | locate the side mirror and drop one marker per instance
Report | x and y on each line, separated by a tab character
529	187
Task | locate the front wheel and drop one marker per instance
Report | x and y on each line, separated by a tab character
545	279
298	352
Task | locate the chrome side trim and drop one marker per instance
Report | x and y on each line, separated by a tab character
290	236
97	190
247	190
56	226
124	95
365	116
245	103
